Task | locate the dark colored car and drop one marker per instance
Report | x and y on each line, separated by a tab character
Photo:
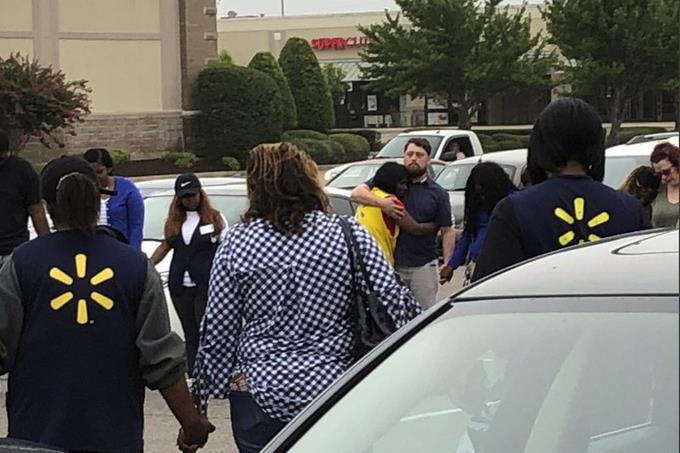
575	351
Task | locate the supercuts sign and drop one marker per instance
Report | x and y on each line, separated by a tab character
339	43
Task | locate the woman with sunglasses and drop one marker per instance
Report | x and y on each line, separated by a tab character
192	231
665	212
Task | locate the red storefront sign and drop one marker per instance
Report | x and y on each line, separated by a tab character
339	43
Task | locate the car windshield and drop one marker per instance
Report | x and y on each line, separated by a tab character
395	147
617	168
156	211
522	376
353	175
454	177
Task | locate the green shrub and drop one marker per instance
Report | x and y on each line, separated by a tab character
515	131
303	133
319	150
373	136
356	146
308	86
491	147
503	136
508	144
338	153
231	163
265	62
240	107
119	156
524	140
181	159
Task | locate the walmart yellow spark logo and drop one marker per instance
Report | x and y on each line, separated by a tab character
579	212
58	302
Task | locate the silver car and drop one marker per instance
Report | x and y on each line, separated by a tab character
557	354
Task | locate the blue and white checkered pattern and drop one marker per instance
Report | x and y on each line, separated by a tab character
278	311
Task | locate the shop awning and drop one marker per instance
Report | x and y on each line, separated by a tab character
351	69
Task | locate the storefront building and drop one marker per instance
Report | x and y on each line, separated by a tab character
336	39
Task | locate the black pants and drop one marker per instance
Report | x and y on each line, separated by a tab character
190	305
251	426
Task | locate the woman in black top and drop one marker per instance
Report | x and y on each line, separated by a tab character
193	230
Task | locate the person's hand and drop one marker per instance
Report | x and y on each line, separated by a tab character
445	274
193	437
392	208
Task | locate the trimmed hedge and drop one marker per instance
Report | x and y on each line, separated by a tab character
629	132
265	62
240	107
308	86
338	153
119	156
371	135
303	133
356	146
231	163
181	159
319	150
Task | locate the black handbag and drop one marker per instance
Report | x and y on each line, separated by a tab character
371	323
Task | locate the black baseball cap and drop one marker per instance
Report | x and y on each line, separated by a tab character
187	184
58	168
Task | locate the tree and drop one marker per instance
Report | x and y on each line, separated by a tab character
265	62
37	101
312	97
613	50
336	84
669	17
455	51
240	108
224	57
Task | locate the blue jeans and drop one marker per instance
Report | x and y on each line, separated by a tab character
252	428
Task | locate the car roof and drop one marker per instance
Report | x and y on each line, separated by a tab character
242	190
511	156
636	263
638	149
443	132
205	180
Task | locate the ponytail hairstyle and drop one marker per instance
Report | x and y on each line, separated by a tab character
69	187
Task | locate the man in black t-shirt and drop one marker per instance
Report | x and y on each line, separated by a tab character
19	199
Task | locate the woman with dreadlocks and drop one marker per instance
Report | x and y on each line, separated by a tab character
567	203
487	184
276	331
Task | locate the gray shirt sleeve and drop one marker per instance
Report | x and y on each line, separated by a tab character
11	315
161	351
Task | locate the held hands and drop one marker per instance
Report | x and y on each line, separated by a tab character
193	437
445	274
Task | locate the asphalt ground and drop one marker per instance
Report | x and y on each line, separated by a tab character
160	432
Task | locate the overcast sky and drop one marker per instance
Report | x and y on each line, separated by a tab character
273	7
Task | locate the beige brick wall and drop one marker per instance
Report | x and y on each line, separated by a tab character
144	135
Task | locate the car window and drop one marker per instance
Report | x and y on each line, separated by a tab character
589	381
395	147
353	175
156	211
341	205
617	168
437	168
454	177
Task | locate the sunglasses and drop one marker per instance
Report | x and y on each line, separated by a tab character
665	172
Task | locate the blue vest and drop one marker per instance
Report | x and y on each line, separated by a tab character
568	210
76	382
196	258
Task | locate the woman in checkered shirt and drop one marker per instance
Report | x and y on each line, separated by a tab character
276	331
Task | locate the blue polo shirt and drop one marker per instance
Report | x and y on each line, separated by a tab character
425	201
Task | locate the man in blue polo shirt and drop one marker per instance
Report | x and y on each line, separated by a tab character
415	255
